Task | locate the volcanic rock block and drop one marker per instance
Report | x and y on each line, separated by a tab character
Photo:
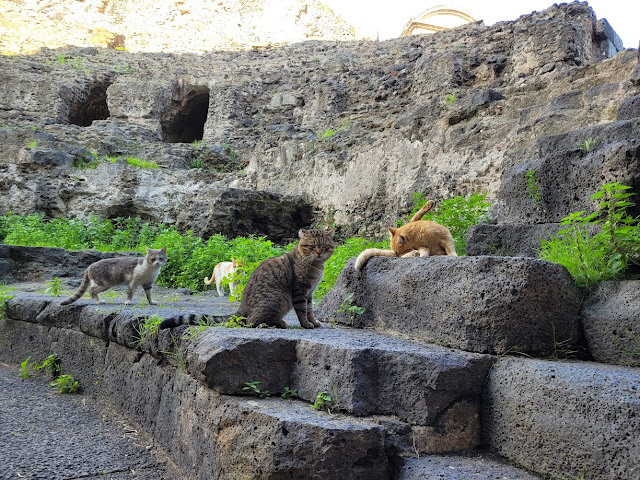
461	467
565	418
611	322
508	239
478	304
373	374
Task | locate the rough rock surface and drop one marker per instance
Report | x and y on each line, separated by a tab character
351	129
166	25
461	467
479	304
610	318
565	418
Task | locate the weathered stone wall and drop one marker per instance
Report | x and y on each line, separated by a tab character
351	129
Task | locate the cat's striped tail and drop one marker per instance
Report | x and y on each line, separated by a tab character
192	319
81	289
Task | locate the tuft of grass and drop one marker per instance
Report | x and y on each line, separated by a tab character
349	308
253	389
533	187
52	364
451	98
326	401
33	144
141	163
54	287
66	384
587	144
147	327
289	393
26	368
4	296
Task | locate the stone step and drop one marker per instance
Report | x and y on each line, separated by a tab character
472	466
432	392
565	419
478	304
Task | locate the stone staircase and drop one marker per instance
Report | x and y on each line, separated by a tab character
405	408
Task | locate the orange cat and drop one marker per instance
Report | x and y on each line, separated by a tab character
418	238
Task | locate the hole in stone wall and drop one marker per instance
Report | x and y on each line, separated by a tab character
89	105
185	120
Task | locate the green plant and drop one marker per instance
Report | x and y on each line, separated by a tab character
451	97
51	363
33	144
111	158
563	349
66	384
229	150
330	132
141	163
598	246
349	308
253	389
533	187
177	355
457	214
4	296
148	326
88	161
336	262
61	60
587	144
54	287
197	143
326	401
289	392
26	368
197	163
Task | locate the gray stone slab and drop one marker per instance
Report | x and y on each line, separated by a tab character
473	466
480	304
611	321
565	418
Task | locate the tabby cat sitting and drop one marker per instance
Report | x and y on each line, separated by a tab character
280	283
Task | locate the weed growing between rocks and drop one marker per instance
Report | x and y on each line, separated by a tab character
349	308
64	383
4	296
590	257
253	389
327	401
142	163
533	187
148	326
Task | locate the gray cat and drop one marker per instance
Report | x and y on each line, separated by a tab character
133	272
280	283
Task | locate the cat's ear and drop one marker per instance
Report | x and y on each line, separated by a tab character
331	232
401	240
392	230
146	250
164	249
302	233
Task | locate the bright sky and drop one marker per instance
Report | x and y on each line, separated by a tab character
386	19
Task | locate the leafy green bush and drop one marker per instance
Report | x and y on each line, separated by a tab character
332	268
599	246
457	214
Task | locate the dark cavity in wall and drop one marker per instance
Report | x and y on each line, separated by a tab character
88	104
184	119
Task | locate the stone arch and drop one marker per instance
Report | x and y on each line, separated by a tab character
435	19
87	104
184	118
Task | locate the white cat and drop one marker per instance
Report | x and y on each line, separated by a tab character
224	270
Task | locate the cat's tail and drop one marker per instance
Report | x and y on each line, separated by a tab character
209	281
192	319
372	252
422	212
81	289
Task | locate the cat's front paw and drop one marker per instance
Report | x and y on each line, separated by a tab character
153	302
411	254
307	325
